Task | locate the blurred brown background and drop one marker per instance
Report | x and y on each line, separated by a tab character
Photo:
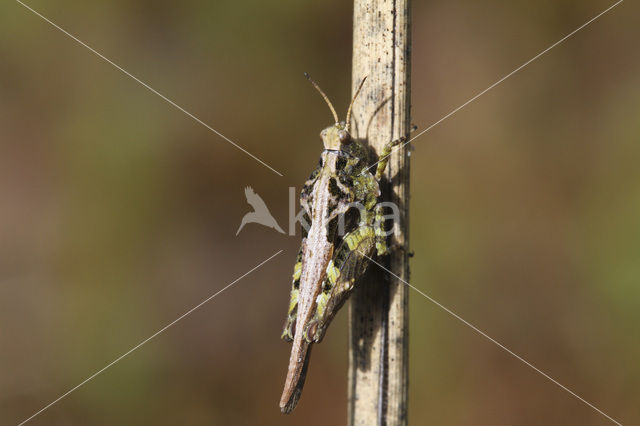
118	213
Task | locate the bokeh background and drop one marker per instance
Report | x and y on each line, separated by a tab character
118	213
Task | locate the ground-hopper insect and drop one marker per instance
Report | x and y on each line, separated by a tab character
340	191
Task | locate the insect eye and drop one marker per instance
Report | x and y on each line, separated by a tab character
344	137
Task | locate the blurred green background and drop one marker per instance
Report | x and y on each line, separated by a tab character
118	213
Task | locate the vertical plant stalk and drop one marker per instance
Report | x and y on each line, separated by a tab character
378	311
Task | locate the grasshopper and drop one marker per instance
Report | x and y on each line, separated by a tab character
330	262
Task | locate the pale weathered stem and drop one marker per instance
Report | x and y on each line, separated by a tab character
378	314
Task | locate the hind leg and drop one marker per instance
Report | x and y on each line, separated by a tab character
290	323
347	265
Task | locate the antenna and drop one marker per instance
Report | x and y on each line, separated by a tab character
348	122
326	99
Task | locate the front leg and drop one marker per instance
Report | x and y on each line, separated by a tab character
386	153
382	248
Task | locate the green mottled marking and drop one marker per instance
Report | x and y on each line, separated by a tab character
297	270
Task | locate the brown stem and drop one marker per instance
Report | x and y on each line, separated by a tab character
378	314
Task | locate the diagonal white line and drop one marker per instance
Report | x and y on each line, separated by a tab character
485	335
148	338
150	88
501	80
